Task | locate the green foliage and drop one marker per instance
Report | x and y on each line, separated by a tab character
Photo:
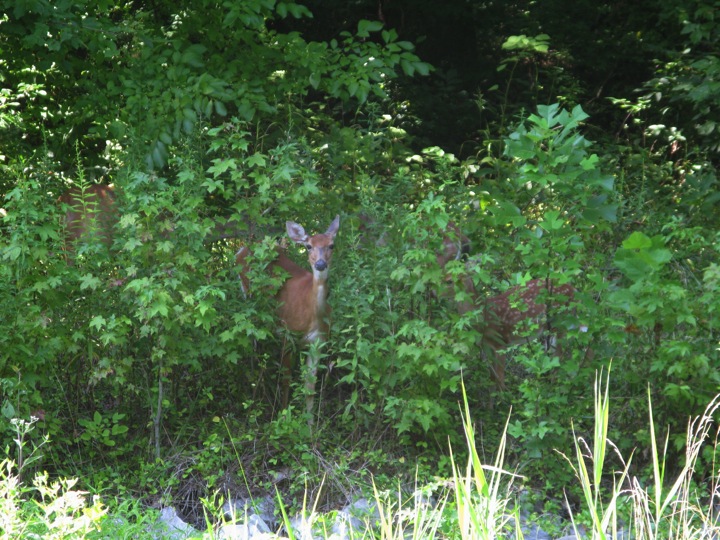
164	81
668	507
553	165
47	509
565	201
103	430
551	208
214	138
672	318
689	82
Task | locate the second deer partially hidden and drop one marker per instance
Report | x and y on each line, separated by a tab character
507	317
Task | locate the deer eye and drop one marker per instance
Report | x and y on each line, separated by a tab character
308	247
332	246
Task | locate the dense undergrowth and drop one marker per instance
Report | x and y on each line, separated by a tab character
155	377
479	501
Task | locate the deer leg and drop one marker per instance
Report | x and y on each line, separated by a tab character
313	359
497	369
285	373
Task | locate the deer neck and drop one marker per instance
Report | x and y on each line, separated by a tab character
319	291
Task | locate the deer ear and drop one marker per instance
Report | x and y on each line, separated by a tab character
296	232
334	226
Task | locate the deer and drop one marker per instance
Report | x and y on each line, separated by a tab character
91	211
302	301
504	315
455	245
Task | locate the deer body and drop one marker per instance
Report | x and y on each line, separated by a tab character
302	299
90	212
505	312
505	315
455	245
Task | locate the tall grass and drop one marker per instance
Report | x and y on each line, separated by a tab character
474	504
618	504
481	491
668	509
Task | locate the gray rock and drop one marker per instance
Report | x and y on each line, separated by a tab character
234	532
363	510
254	529
534	532
302	528
346	526
263	507
169	526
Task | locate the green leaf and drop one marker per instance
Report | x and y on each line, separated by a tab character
222	165
590	162
220	108
189	114
365	27
298	11
88	281
7	409
315	80
12	252
158	308
594	213
362	93
166	138
423	68
515	429
389	36
637	240
407	67
119	429
98	322
256	160
552	221
193	56
640	256
505	213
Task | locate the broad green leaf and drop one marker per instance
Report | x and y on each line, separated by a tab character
98	322
552	221
637	240
88	281
365	27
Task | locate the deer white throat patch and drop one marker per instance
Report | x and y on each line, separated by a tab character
321	295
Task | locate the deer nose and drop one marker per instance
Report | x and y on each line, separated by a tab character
320	265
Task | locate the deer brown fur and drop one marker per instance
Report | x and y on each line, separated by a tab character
505	314
91	211
302	299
